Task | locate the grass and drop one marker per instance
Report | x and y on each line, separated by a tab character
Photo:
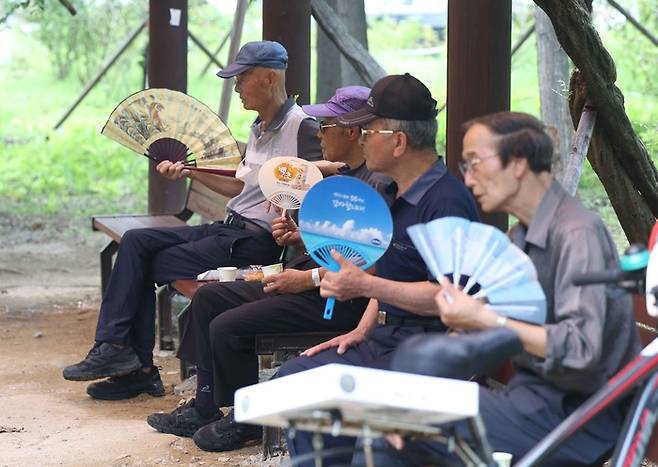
76	171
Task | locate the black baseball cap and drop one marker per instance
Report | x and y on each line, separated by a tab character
401	97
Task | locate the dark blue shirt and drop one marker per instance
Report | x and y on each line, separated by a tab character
437	193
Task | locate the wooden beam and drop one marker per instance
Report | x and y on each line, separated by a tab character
574	163
358	56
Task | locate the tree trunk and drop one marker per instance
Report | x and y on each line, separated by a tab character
618	156
553	70
333	70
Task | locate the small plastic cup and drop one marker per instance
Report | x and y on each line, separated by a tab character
503	459
227	273
272	269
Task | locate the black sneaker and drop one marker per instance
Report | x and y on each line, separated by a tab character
127	386
226	435
103	360
182	421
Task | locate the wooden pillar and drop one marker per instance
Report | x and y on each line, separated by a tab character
167	68
289	23
479	65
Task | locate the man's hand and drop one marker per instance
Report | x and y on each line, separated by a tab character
459	310
343	342
172	170
285	231
288	281
328	168
349	282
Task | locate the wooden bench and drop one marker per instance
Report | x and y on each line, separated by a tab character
200	200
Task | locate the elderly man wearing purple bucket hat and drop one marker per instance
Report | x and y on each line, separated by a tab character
223	315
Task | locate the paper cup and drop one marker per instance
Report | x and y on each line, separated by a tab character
503	459
272	269
227	274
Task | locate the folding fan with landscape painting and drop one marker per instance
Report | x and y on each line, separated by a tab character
485	262
285	181
162	124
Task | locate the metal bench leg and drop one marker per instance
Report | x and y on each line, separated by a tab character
106	263
165	328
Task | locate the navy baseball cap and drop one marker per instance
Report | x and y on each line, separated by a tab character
401	97
345	100
268	54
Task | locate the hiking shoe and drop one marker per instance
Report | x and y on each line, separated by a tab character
103	360
182	421
127	386
226	435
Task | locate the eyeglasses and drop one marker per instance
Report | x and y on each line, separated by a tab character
367	131
324	126
470	164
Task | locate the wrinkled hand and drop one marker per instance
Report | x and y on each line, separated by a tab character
328	168
349	282
342	342
288	281
459	310
395	440
285	231
172	170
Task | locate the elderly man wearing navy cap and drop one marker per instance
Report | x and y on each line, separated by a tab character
125	333
223	314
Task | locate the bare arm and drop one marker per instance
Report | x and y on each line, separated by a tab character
227	186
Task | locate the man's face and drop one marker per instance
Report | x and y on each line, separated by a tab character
493	185
333	140
253	87
377	147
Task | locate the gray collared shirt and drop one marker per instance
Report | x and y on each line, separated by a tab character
591	330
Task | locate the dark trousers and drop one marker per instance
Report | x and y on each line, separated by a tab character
158	256
516	418
225	316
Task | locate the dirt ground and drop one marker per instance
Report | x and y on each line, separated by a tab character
49	295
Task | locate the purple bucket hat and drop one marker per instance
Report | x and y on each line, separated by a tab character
345	100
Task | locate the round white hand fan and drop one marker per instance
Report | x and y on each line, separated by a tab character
285	181
162	124
482	258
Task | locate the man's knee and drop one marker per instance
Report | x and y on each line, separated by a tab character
296	365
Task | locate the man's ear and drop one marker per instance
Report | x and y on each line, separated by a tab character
400	143
353	132
521	166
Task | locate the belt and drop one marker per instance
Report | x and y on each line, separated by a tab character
385	319
241	222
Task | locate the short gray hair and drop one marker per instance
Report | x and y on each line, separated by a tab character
421	134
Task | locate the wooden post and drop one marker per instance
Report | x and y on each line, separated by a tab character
289	23
479	64
236	37
167	68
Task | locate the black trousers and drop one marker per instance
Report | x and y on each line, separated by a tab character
224	315
158	256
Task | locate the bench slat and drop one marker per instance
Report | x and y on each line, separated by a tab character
116	226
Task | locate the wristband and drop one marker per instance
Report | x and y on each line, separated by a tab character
501	321
315	275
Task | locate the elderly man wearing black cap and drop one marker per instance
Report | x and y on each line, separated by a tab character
398	131
125	333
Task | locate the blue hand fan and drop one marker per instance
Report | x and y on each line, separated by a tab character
485	257
345	215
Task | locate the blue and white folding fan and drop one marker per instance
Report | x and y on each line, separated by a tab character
345	215
486	262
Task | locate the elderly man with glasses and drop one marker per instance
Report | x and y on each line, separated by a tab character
398	132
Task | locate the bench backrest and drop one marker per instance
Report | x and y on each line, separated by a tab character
205	202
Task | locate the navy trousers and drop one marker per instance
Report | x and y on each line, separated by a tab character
225	316
147	257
